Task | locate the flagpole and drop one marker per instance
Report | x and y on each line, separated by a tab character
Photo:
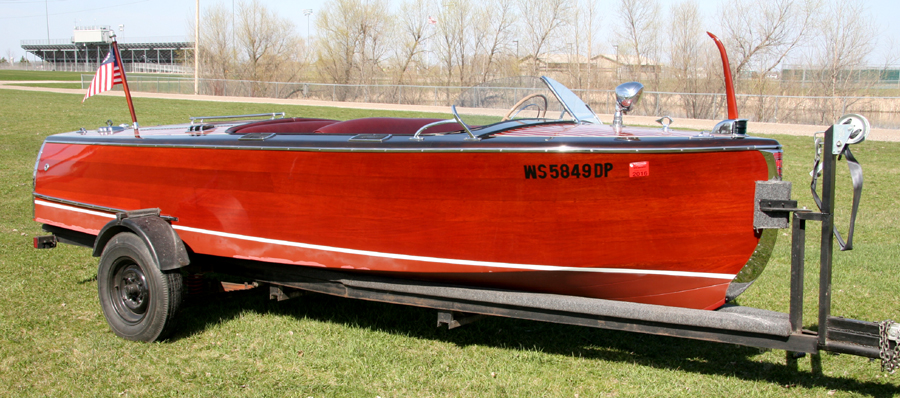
125	86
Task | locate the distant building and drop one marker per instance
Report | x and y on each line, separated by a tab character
90	44
610	66
885	77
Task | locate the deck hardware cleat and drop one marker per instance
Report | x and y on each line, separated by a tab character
109	129
665	125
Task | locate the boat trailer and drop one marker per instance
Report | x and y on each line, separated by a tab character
733	324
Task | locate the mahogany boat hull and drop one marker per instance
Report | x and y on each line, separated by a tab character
653	222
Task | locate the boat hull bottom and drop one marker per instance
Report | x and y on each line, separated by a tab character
674	291
665	290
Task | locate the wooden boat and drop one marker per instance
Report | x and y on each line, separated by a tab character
566	205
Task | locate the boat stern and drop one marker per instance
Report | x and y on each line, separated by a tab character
765	224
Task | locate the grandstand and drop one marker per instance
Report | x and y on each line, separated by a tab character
89	45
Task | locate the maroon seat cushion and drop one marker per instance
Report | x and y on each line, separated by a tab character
295	125
386	125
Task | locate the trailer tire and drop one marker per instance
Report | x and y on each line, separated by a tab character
138	300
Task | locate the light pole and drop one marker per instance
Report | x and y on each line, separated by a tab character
47	12
307	12
197	50
617	61
232	23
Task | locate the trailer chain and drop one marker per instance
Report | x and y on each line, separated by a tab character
890	358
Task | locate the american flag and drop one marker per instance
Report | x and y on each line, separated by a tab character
108	75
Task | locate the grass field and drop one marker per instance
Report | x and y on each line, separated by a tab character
14	75
54	340
51	85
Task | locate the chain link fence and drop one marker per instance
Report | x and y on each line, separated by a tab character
882	112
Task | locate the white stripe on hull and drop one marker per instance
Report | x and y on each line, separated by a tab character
488	264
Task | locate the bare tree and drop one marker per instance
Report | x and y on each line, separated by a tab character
268	46
542	20
414	29
583	36
496	35
352	40
840	50
217	52
454	21
690	60
761	34
639	36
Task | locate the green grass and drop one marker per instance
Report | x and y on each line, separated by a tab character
51	85
39	75
23	75
54	340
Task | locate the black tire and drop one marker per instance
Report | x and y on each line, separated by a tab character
138	300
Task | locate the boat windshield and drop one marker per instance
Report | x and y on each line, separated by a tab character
521	98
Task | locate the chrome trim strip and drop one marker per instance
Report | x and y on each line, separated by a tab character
272	115
78	204
755	266
72	208
488	264
561	149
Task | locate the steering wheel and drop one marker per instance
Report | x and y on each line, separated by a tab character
518	107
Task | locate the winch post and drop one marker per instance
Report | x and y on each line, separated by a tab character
829	159
798	257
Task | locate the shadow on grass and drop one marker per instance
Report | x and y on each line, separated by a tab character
604	345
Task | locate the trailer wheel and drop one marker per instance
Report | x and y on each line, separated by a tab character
138	300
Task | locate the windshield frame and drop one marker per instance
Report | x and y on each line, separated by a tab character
580	111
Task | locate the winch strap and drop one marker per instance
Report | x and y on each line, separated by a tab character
856	179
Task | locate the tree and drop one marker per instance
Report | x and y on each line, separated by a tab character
584	41
840	49
268	47
217	52
542	20
260	48
761	34
639	35
454	20
759	37
691	62
413	31
496	36
352	42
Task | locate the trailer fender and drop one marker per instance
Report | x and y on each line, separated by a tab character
166	247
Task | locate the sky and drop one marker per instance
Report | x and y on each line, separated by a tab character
169	19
